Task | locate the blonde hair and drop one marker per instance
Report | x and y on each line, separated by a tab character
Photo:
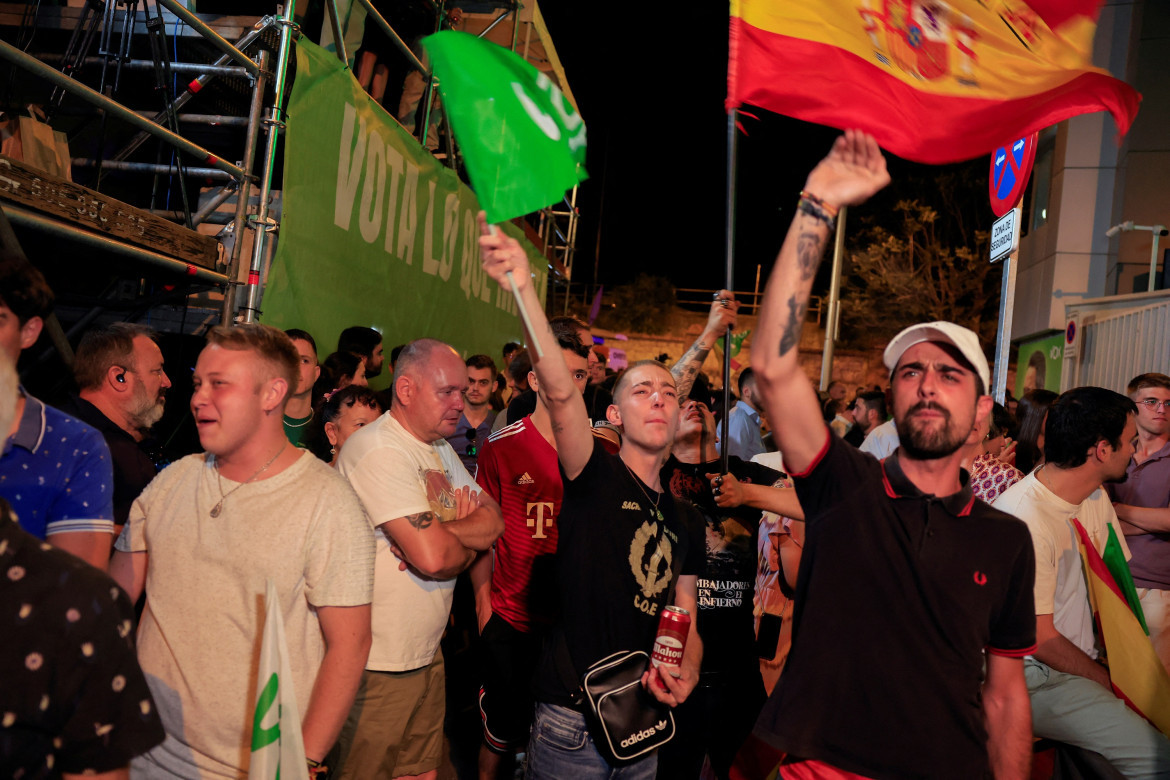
271	344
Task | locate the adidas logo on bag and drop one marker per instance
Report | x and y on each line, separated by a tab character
633	739
525	479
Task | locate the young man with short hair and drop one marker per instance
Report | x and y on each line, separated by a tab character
365	343
298	412
907	691
205	538
624	545
55	470
1142	503
515	586
1089	439
475	421
869	411
744	425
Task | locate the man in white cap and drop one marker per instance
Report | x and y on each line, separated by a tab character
905	579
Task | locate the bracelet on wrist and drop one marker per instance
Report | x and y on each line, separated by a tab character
828	208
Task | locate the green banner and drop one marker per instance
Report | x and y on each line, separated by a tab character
375	231
1040	364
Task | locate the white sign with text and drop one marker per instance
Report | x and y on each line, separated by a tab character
1005	235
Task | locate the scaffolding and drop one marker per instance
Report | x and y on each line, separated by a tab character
111	25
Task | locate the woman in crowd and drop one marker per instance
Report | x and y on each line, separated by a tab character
341	415
1032	412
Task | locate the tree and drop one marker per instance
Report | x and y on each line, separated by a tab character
924	263
642	306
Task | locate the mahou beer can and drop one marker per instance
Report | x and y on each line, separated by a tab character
673	627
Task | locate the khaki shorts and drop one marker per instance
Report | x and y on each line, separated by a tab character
395	727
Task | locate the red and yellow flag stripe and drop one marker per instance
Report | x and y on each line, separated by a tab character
932	82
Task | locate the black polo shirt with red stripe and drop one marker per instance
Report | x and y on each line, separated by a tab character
898	595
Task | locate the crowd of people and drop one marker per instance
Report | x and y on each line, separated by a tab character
881	586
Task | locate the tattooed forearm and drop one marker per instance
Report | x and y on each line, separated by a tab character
810	247
421	520
688	366
792	329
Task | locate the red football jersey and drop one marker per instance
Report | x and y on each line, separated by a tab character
518	468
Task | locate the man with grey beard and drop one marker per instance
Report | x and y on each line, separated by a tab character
119	371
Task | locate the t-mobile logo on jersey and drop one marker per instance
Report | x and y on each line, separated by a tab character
540	522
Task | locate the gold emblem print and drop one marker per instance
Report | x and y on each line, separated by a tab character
652	574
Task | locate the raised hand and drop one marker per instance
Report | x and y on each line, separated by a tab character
852	172
501	254
723	313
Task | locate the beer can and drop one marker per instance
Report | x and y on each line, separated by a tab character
671	641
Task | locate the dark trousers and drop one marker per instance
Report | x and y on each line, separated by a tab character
714	721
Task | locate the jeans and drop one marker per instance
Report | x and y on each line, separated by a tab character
1076	710
560	748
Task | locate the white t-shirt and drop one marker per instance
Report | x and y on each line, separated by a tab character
1060	579
396	475
200	635
881	441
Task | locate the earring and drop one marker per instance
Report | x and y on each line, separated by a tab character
332	450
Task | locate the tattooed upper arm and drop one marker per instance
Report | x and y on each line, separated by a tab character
421	520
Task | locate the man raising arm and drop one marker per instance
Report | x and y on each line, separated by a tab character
907	529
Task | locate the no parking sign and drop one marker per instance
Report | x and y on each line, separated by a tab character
1011	166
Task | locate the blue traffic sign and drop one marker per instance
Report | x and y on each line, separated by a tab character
1010	167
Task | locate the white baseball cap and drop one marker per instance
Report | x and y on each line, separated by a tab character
957	336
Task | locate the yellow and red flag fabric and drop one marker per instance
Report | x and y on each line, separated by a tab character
1137	674
933	82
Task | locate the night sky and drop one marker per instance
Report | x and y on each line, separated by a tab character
651	87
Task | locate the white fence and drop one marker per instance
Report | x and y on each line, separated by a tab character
1119	337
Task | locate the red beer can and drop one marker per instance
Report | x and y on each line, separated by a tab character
671	641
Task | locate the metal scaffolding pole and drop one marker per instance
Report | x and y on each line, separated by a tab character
177	67
729	277
833	319
275	122
212	37
17	57
238	224
205	119
335	25
194	87
141	167
395	38
97	241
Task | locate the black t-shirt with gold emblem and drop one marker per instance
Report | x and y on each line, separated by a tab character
617	563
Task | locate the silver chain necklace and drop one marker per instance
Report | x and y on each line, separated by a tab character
655	512
218	508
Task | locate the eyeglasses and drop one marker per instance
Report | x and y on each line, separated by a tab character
1154	403
472	450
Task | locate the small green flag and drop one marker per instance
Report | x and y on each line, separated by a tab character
736	341
522	142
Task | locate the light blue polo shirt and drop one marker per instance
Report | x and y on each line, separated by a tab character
57	473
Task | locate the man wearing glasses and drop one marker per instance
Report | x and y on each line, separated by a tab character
1142	503
475	422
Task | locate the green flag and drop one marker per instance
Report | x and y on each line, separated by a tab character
1115	561
522	142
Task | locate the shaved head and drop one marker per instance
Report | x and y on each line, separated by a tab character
417	354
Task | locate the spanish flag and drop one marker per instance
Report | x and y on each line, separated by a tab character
1135	671
932	82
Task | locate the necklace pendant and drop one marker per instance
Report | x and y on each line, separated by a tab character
215	510
658	515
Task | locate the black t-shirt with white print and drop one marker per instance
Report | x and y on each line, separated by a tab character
726	584
617	565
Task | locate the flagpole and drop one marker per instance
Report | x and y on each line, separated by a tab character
524	316
729	280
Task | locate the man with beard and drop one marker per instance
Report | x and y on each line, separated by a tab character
1142	503
298	412
905	579
720	712
1089	439
123	390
